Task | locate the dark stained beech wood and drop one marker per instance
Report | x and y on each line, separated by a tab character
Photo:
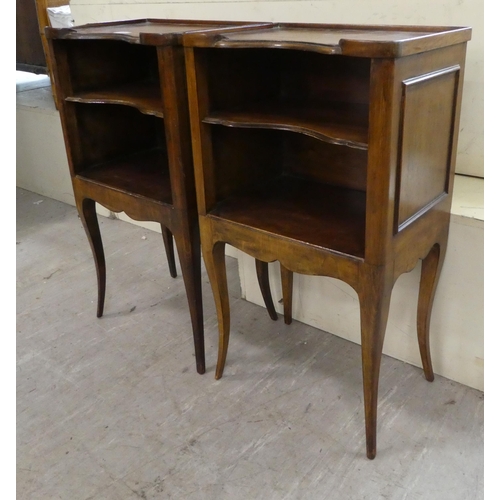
144	96
353	40
146	31
124	151
325	216
323	40
289	183
87	211
263	279
287	288
142	174
344	124
431	270
122	90
168	242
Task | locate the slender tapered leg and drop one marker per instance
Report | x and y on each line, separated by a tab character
188	249
262	269
88	216
168	241
215	263
287	287
431	270
374	304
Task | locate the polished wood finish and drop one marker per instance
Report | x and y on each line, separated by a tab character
168	242
338	125
144	96
263	279
373	41
424	183
325	216
287	288
122	96
330	149
124	108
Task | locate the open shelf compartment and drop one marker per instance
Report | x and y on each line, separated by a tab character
141	174
291	185
123	149
130	75
323	96
303	210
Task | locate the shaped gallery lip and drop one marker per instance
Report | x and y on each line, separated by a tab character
380	41
147	31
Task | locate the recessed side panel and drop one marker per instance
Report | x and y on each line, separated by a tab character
426	139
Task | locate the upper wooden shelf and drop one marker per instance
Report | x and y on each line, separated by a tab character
342	123
143	31
145	96
352	40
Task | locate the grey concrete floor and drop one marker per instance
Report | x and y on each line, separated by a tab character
112	408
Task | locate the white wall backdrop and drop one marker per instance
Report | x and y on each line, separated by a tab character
470	159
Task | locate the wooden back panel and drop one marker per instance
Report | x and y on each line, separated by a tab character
108	132
236	78
244	158
329	163
323	79
123	63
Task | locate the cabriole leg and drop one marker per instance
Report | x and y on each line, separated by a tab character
431	270
262	269
168	241
86	209
215	263
287	288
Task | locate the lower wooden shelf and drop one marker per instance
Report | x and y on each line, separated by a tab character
319	214
143	174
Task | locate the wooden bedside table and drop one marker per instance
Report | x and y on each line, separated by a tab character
331	149
122	97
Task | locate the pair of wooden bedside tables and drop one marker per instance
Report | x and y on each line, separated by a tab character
330	148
